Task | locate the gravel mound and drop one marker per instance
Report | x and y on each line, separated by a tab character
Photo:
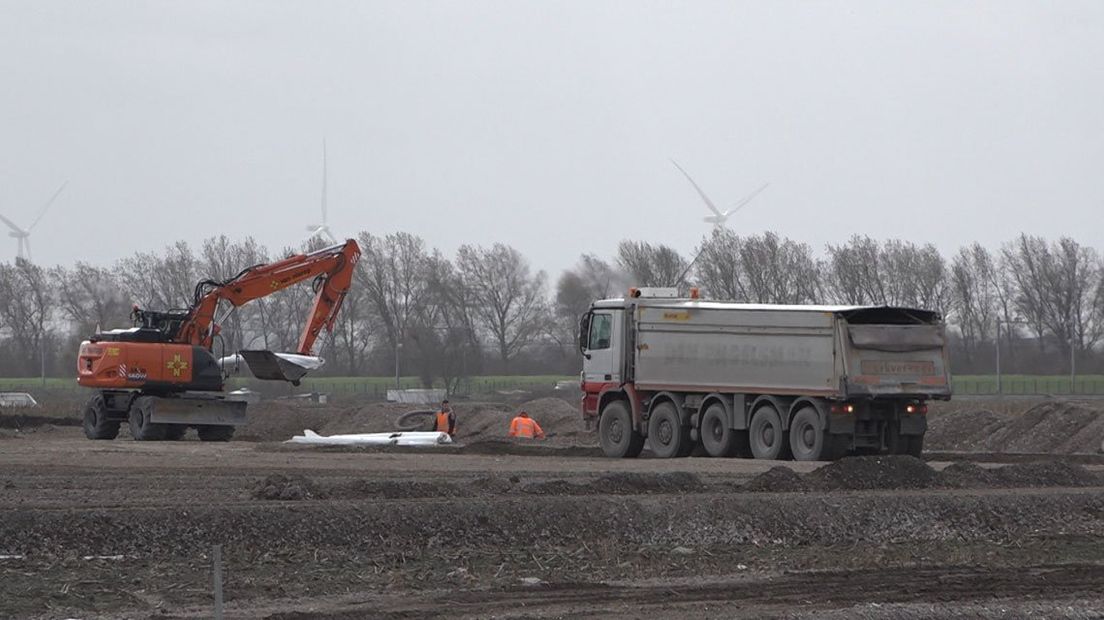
622	483
1048	427
20	420
394	489
286	488
777	480
967	475
633	482
862	473
1046	474
906	472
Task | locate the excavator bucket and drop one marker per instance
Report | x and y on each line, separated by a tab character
280	366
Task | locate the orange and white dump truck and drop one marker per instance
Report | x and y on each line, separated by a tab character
764	381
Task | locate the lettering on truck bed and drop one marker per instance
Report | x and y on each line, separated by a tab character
886	367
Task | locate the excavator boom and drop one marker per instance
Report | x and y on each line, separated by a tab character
333	266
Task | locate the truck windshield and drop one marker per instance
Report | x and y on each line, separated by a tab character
599	332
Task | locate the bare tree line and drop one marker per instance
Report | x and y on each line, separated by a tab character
485	310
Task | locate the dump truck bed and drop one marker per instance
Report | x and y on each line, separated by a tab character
833	351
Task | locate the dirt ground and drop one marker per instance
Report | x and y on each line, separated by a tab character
492	528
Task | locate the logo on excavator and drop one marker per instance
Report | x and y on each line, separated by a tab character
177	365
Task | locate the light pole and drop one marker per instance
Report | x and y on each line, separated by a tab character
398	347
1073	364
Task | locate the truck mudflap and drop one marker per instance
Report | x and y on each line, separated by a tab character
199	410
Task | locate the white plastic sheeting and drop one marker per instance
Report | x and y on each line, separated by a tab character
373	439
417	396
17	399
235	364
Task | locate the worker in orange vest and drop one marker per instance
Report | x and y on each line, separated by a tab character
446	420
525	427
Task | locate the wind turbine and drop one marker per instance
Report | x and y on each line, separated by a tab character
323	229
23	235
718	219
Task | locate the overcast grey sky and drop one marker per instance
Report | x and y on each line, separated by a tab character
549	125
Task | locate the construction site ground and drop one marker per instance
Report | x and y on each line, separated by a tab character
996	528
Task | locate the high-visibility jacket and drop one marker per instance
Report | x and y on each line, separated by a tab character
445	423
526	428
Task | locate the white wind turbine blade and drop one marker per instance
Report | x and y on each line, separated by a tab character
12	226
708	202
26	241
46	206
743	203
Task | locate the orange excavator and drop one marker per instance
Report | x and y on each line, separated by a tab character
161	376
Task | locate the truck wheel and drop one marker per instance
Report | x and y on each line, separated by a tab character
96	425
175	432
669	438
768	440
808	441
717	438
138	417
211	432
616	434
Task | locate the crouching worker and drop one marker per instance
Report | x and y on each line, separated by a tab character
525	427
446	420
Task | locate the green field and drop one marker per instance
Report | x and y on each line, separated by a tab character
378	386
1028	384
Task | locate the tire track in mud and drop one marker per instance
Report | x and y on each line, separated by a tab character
787	591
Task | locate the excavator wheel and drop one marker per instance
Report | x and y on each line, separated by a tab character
211	432
141	428
96	425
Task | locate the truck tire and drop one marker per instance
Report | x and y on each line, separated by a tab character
211	432
666	434
716	437
616	434
768	440
808	441
96	425
138	417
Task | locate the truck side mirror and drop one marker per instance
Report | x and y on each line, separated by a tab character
584	330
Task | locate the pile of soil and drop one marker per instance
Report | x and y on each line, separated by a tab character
276	420
874	472
281	487
1049	427
16	421
869	473
622	483
777	480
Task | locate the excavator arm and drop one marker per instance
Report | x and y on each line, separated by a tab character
332	267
